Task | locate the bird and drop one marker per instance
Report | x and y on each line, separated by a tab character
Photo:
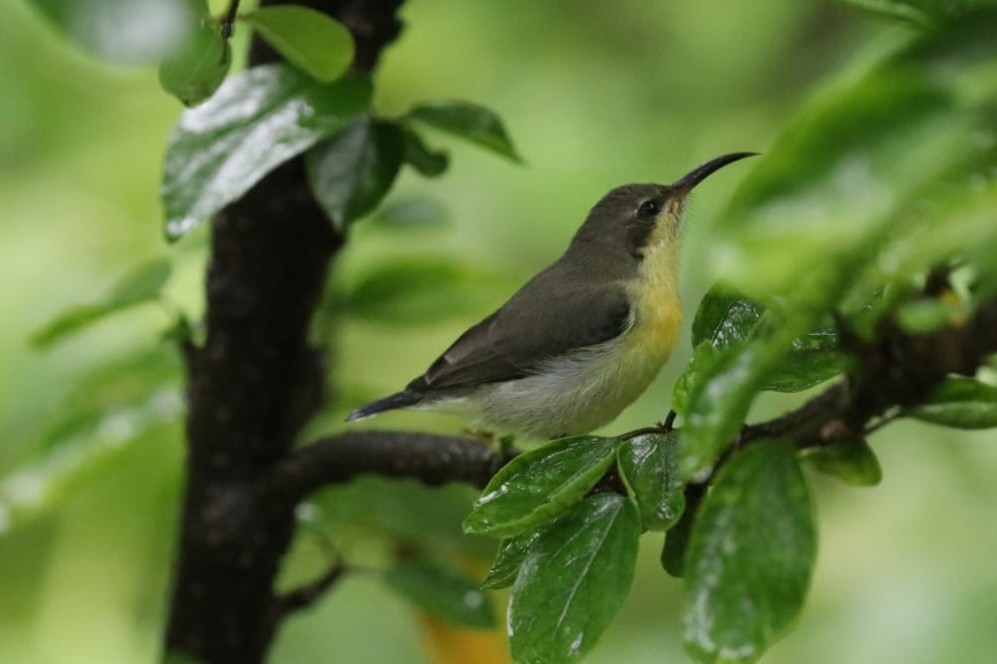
581	340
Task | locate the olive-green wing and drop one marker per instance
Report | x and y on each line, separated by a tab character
547	318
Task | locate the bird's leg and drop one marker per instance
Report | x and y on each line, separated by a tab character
489	438
505	446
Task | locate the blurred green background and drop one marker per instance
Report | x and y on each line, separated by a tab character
595	94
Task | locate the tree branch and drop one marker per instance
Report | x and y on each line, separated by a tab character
429	458
897	370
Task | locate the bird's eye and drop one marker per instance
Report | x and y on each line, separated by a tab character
649	208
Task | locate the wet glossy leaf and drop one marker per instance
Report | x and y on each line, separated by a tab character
509	558
352	171
726	318
720	401
139	286
802	369
472	122
537	486
573	581
442	591
852	462
412	290
126	31
649	467
960	403
306	37
721	396
750	556
195	72
257	120
427	161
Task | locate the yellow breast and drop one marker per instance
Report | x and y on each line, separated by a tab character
658	311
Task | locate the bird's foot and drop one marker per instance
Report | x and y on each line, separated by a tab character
487	437
502	444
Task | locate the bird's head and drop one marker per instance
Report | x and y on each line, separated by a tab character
635	218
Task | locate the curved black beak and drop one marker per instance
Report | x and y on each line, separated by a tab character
697	175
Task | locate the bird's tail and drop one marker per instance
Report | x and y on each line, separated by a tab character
397	400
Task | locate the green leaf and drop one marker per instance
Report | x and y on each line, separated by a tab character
896	9
803	369
425	160
573	581
876	154
132	32
413	212
351	172
921	13
677	542
852	462
114	392
114	407
471	122
537	486
195	72
442	591
141	285
720	401
257	120
308	38
384	512
700	366
412	290
721	397
960	227
960	403
649	467
509	558
726	318
750	557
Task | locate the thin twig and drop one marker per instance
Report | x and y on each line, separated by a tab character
882	422
308	594
229	19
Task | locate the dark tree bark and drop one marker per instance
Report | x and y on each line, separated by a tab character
250	388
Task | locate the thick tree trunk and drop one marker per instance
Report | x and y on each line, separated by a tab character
251	387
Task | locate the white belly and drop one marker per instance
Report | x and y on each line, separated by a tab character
569	395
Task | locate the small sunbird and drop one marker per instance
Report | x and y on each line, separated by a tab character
583	338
